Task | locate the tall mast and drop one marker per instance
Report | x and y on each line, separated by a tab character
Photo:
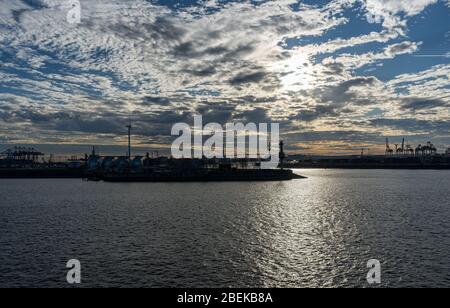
282	155
129	140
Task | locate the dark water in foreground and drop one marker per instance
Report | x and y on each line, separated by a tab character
318	232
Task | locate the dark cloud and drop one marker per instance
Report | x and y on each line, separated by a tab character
125	31
283	55
164	29
257	115
186	49
157	124
316	113
339	94
357	82
334	68
401	48
282	23
161	31
216	50
254	99
202	71
156	100
222	54
100	125
268	82
237	52
216	113
5	111
166	117
417	104
246	77
69	121
18	14
35	4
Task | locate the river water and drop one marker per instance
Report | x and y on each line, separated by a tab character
316	232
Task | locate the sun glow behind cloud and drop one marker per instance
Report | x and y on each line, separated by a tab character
296	73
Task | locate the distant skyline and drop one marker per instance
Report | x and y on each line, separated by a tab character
337	75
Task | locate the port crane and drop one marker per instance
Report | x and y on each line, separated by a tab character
409	150
406	149
401	151
19	153
389	151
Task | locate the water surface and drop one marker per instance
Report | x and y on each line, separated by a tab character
317	232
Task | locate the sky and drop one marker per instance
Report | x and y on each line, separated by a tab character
337	75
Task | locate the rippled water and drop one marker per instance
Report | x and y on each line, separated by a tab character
318	232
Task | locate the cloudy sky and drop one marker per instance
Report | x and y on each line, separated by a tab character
338	75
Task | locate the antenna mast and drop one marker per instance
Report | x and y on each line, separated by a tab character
129	140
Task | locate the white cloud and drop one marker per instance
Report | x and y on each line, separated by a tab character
152	48
337	44
409	7
356	61
401	49
387	11
433	82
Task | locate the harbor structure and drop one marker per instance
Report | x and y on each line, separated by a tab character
23	162
19	156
